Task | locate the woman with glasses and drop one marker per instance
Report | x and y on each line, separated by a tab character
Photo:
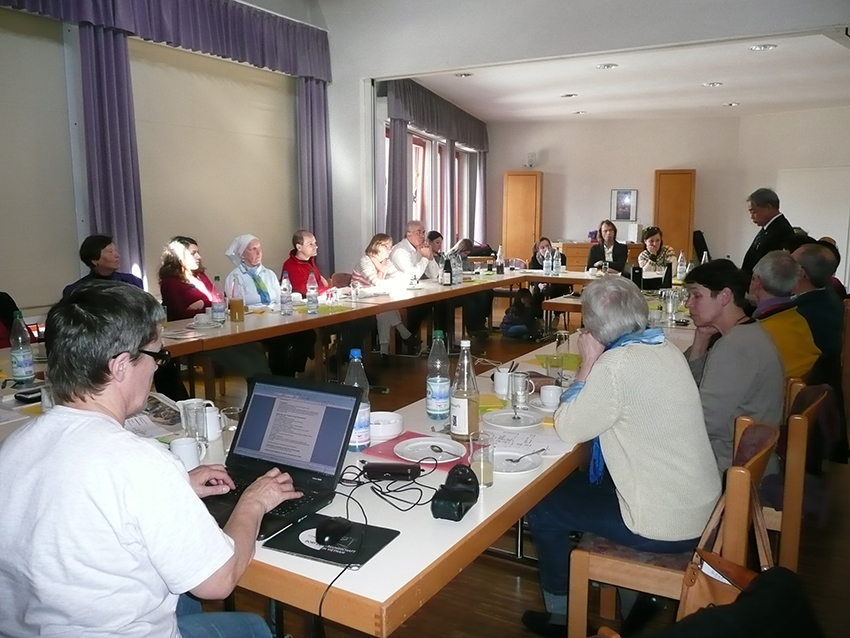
657	254
186	291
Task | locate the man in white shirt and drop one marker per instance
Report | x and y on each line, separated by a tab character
412	257
103	530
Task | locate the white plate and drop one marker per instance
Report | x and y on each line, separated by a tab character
204	326
505	419
537	404
528	464
417	449
416	287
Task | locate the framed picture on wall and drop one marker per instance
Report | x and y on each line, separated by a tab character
624	205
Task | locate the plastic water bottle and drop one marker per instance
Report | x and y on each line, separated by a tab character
681	266
547	262
219	304
464	400
286	295
437	383
556	262
21	351
457	269
312	294
500	261
356	377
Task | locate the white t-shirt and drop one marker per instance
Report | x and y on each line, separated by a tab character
100	531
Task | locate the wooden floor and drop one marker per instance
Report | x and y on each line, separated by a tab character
488	598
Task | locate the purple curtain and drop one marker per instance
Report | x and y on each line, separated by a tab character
398	176
115	202
224	28
479	221
315	168
450	194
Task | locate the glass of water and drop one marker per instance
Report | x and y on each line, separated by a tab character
196	422
355	290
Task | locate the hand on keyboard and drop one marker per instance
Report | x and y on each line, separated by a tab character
271	489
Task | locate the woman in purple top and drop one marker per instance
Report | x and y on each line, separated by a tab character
99	253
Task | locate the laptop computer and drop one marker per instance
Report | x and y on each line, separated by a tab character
300	427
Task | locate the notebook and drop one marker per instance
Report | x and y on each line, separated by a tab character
300	427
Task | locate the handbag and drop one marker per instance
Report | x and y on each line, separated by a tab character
711	580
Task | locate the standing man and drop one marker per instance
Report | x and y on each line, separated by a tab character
776	231
102	530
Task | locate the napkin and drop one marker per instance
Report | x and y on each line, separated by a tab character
489	402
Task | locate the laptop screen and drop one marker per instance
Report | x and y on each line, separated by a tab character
295	426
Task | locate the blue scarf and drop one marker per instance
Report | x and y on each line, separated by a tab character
650	336
259	284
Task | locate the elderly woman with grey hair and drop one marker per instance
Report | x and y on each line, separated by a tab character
635	398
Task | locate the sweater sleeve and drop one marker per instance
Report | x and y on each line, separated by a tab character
595	409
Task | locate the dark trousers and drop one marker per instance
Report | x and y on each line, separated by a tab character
576	505
288	354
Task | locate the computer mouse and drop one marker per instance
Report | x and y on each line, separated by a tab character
331	530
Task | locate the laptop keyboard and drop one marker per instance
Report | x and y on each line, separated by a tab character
287	507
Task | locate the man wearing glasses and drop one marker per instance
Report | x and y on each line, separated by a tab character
102	530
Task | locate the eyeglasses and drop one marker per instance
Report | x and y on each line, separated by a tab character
161	357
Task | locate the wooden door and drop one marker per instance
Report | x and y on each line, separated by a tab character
674	207
521	212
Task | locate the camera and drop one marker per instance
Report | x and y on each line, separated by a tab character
459	493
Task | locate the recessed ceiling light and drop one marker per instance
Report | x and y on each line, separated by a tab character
762	47
713	85
732	104
463	75
579	112
569	95
608	65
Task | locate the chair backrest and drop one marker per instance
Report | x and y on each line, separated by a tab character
516	262
736	517
793	385
341	279
754	443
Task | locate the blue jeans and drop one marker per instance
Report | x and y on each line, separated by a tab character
515	332
576	505
194	623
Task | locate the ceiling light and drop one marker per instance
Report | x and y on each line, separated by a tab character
762	47
569	95
608	65
732	104
713	85
463	75
579	112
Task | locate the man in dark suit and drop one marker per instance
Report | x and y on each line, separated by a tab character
775	231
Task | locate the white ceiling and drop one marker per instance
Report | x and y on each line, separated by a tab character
803	72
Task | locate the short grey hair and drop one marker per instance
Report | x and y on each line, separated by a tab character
778	273
412	225
818	261
764	197
612	307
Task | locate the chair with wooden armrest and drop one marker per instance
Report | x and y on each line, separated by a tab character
787	521
598	559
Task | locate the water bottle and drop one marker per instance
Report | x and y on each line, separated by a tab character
547	262
219	304
356	377
21	351
556	262
312	294
437	382
457	269
464	401
500	261
681	266
286	295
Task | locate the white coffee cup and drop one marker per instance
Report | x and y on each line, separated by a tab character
550	395
213	423
501	381
202	318
190	451
593	271
181	405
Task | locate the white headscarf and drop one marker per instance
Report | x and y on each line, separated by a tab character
234	253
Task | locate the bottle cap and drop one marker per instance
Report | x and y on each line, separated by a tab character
286	273
464	343
355	354
438	334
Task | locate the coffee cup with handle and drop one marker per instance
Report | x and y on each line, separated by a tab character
501	382
550	395
189	450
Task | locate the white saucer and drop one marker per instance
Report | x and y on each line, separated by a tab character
416	287
204	326
418	449
528	464
504	419
537	404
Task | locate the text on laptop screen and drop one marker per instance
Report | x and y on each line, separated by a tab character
296	427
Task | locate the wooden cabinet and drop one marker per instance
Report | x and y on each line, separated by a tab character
521	213
674	207
577	253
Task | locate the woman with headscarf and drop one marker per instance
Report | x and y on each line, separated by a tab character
257	284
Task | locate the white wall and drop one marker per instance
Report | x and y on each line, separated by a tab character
732	157
384	38
217	154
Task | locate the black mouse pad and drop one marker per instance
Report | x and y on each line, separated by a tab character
358	545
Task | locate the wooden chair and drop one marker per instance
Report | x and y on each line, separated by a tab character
341	279
788	521
793	385
208	373
600	560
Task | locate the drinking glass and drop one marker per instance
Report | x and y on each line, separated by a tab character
521	387
229	421
554	367
482	453
355	290
47	400
604	269
196	422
